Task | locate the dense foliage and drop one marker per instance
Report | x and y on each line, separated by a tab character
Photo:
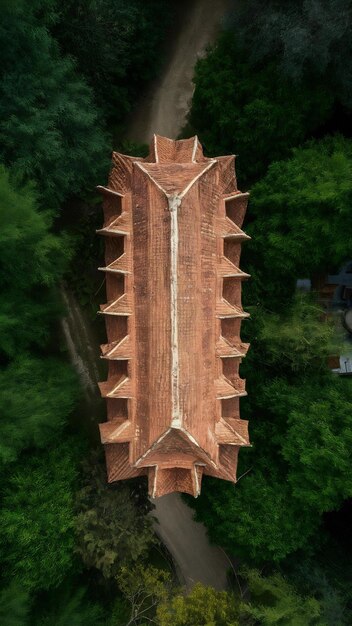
148	595
111	524
116	46
256	95
236	106
273	600
292	403
307	38
14	605
36	517
74	609
33	260
258	599
49	126
300	212
203	605
33	406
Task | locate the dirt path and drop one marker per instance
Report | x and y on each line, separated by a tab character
187	541
164	108
82	346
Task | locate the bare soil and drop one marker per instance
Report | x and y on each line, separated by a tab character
196	560
163	109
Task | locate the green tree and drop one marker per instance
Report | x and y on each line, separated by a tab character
333	592
49	129
300	215
306	38
33	406
318	443
274	601
36	517
254	113
33	260
300	337
144	588
258	520
75	609
31	254
203	606
264	600
116	46
112	527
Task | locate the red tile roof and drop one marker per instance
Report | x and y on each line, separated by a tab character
167	220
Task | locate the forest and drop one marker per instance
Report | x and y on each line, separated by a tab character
275	89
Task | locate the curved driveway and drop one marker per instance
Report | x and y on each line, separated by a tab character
196	560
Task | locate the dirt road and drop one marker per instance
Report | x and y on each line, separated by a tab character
187	541
164	108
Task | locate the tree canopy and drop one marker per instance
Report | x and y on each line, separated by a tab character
203	606
116	46
273	600
36	517
14	605
33	406
300	214
306	38
236	107
50	131
37	392
300	420
111	524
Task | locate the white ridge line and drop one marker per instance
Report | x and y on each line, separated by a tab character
156	149
176	421
195	145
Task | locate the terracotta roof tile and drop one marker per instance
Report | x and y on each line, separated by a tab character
232	432
225	349
122	265
116	431
121	306
117	388
174	318
118	464
226	268
225	309
174	178
224	389
118	350
121	225
227	228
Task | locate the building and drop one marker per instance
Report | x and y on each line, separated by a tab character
173	315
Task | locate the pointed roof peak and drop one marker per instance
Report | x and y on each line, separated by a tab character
173	441
175	179
166	150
